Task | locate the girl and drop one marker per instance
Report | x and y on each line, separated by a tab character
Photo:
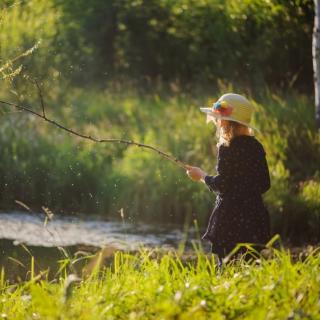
242	177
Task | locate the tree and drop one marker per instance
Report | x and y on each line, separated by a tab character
316	60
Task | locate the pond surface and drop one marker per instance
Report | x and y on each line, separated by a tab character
27	237
31	229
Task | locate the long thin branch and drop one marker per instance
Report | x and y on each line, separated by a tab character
83	136
40	96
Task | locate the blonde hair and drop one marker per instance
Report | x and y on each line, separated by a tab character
228	129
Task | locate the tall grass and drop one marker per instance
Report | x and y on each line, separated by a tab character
153	285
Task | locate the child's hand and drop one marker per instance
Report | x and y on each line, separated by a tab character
195	173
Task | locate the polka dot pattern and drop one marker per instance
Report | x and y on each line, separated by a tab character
239	214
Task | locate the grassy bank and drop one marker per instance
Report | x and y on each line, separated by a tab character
151	285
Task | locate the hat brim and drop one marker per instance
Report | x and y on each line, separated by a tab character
209	112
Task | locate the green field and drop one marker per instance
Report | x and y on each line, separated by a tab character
156	285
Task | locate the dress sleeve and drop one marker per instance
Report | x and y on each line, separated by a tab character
263	174
220	183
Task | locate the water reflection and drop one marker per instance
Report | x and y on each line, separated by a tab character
68	231
26	235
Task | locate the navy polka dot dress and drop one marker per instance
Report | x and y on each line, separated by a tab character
239	214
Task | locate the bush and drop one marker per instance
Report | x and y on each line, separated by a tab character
188	41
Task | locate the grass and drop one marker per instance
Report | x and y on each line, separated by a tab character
156	285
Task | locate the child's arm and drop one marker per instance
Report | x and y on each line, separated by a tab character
218	183
221	182
264	177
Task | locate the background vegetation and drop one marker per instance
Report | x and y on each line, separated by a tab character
139	70
251	42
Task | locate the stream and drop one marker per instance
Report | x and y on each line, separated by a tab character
31	230
26	235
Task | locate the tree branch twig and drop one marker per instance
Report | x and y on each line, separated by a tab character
40	97
94	139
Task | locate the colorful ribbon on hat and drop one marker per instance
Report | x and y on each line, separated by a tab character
222	108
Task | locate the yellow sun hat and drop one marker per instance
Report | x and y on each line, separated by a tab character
231	106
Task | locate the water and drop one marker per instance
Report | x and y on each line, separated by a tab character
31	230
24	235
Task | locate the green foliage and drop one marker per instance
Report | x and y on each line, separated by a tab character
292	146
245	42
24	25
151	285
